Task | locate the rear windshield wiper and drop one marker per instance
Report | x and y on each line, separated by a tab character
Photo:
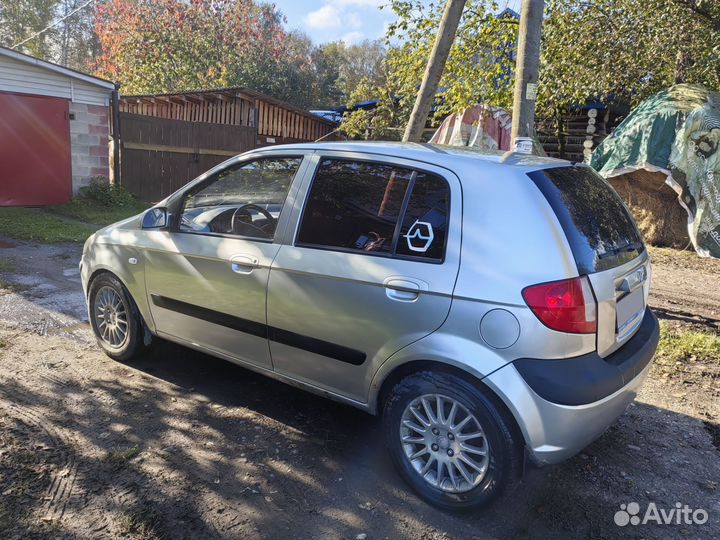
630	246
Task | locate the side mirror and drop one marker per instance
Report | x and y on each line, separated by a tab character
155	218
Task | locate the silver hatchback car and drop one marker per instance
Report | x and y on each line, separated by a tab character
491	308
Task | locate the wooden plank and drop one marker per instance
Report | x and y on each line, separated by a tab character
178	149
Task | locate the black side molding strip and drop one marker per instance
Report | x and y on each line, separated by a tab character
299	341
317	346
209	315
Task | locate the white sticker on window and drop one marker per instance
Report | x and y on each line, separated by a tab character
420	236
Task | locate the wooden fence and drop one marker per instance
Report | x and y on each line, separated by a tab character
160	155
276	121
169	139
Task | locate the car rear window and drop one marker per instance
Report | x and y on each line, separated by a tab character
598	226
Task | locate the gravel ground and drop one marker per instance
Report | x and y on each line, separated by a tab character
182	445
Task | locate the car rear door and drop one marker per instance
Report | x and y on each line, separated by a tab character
369	268
206	277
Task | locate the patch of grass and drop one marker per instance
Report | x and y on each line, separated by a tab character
121	455
96	206
139	526
9	287
6	265
93	212
3	343
677	345
35	225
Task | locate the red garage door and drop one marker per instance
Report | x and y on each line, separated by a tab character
34	150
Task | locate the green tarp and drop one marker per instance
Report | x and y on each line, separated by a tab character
676	132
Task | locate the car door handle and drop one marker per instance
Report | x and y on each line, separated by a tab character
243	264
402	290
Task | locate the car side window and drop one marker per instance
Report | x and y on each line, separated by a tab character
424	225
242	200
375	208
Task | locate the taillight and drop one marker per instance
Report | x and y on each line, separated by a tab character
566	306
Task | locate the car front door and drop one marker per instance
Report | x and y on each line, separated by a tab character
369	268
206	276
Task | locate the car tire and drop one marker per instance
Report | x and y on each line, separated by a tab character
115	319
503	458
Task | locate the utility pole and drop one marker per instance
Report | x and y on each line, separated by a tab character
434	69
527	68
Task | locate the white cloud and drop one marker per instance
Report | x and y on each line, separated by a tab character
348	20
327	17
353	20
353	37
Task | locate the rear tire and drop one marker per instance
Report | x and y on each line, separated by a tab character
115	319
461	478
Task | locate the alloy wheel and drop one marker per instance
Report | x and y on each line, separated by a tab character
111	317
444	443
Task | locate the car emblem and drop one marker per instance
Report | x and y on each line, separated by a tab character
420	236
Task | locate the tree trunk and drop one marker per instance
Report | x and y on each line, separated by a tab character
434	70
527	69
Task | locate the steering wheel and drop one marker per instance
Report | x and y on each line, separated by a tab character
259	209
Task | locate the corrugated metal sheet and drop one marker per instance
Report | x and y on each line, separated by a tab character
21	77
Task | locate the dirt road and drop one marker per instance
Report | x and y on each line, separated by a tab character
686	288
182	445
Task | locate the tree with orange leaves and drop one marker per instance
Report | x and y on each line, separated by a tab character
154	46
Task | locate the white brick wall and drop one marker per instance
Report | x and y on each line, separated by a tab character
89	138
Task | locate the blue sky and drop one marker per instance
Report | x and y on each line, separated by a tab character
347	20
331	20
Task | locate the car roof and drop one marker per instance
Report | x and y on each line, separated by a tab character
436	154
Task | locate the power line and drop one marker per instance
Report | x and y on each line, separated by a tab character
36	34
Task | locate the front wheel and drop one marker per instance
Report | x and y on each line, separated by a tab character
449	442
114	318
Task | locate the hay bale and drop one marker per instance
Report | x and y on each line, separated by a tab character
654	204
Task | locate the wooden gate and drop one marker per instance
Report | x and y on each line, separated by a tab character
160	155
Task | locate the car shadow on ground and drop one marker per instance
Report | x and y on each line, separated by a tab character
189	446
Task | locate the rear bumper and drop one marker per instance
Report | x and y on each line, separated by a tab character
560	411
589	378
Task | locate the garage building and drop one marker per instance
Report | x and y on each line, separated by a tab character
55	126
